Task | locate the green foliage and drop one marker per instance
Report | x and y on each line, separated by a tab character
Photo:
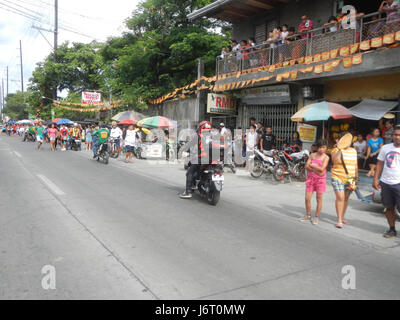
159	53
16	106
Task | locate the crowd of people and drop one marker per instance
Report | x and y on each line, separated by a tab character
380	151
289	43
127	139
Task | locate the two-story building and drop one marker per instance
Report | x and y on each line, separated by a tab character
339	63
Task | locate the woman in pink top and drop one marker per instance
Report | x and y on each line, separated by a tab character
316	180
52	133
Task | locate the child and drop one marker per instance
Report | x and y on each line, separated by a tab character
316	180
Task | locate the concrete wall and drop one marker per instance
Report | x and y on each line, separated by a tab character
183	111
290	14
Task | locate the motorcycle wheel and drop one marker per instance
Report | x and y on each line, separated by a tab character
301	173
105	158
279	172
257	170
213	197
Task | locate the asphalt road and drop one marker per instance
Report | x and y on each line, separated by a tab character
111	233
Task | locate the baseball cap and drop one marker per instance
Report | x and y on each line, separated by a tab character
222	124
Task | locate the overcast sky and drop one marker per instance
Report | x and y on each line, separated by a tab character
97	19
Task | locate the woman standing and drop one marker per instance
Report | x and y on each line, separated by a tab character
344	172
375	145
316	180
88	138
52	133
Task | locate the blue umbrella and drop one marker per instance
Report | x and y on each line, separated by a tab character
64	121
11	122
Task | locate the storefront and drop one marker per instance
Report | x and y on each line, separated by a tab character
382	89
272	105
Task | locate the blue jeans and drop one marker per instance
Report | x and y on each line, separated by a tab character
95	147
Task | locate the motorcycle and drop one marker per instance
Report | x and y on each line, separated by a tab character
292	165
265	162
114	150
104	152
76	144
210	181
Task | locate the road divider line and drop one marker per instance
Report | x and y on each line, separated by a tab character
18	154
51	185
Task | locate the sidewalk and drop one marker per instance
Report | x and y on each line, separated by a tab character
272	199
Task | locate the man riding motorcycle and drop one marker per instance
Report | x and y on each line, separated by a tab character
102	135
203	132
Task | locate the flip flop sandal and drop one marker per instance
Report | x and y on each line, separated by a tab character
339	226
346	222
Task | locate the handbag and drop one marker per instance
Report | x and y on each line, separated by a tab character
352	181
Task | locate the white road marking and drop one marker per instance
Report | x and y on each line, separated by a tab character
18	154
51	185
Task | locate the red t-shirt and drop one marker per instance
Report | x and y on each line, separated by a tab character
303	26
64	133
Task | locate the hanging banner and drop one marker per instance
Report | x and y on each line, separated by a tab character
377	42
91	98
307	133
365	45
325	55
388	38
334	53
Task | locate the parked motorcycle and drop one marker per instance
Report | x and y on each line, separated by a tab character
292	165
266	162
210	181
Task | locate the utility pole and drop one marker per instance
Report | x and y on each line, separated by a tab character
55	48
22	67
7	80
2	92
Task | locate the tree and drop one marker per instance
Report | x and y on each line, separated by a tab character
79	67
17	105
161	50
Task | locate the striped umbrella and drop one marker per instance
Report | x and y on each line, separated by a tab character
128	115
322	111
157	122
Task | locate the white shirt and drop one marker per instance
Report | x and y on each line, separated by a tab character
251	140
284	35
390	155
360	147
223	131
130	138
116	133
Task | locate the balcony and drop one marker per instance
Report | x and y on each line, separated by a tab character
300	53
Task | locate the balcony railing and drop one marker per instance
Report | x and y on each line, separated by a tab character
316	41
